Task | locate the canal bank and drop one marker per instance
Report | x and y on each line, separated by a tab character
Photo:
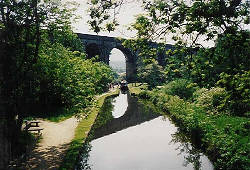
137	138
82	131
224	138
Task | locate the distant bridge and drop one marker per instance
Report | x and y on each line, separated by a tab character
103	45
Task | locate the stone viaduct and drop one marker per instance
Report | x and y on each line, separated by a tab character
103	45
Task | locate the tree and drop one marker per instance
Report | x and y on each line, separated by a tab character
221	21
103	14
186	21
181	18
21	26
151	73
19	42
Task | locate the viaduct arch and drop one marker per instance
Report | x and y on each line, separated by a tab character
103	45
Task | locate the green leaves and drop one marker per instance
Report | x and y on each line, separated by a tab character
238	87
103	15
151	73
111	26
143	26
224	138
180	87
194	18
70	79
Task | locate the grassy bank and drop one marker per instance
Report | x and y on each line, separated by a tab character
81	133
57	114
224	138
136	88
61	115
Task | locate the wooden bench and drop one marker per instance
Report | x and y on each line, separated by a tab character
30	124
34	123
37	129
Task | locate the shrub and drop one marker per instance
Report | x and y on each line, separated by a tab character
199	92
238	87
180	87
213	100
68	79
223	137
152	74
144	95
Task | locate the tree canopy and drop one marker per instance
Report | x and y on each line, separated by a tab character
178	17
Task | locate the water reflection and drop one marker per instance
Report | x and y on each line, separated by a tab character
139	139
84	157
135	114
191	154
120	105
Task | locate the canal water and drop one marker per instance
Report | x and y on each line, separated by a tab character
128	135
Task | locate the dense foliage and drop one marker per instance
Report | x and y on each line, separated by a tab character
152	74
67	78
226	65
43	65
224	138
180	87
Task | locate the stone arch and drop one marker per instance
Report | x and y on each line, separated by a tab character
102	46
130	59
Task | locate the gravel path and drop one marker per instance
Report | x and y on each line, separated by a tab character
56	138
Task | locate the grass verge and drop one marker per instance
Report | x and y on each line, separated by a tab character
58	114
136	88
81	133
63	115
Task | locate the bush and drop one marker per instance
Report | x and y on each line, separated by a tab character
238	87
144	95
67	79
223	137
212	101
152	74
180	87
230	55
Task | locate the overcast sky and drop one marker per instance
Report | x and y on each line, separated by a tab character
125	18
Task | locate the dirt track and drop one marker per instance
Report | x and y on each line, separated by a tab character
56	138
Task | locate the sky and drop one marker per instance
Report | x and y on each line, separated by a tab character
126	17
117	55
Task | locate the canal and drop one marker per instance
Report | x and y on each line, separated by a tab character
129	135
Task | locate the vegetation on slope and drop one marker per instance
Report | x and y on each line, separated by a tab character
225	138
82	132
43	66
